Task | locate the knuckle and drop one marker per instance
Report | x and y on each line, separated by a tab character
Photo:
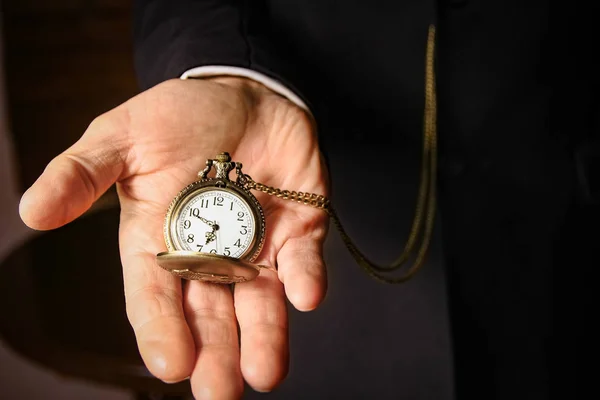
151	303
99	123
216	328
211	314
83	172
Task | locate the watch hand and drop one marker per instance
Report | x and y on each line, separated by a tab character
209	223
210	236
217	244
216	228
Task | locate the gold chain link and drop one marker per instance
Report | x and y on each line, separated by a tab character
309	199
426	198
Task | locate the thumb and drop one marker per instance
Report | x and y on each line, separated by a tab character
75	179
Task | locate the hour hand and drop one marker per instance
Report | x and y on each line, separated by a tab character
210	236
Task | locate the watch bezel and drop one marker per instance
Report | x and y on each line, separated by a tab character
203	185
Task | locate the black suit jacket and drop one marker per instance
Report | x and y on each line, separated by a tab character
516	86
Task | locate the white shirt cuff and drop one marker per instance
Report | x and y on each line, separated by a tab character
215	70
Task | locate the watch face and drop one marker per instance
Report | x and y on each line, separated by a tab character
214	221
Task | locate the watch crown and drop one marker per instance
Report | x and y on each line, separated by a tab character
223	157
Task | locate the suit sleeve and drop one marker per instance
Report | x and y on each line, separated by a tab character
172	37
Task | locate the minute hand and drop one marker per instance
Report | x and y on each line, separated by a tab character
209	223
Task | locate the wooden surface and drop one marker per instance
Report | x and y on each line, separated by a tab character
67	61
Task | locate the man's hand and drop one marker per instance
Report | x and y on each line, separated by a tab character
154	145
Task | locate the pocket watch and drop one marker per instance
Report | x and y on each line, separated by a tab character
214	228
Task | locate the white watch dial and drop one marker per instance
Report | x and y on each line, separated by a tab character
216	222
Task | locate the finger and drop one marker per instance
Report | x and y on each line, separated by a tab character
210	314
262	315
301	266
154	298
75	179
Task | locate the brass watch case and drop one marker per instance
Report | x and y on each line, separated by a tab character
211	267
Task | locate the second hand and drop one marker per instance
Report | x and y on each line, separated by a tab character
217	235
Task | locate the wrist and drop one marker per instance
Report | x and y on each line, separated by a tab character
240	83
266	83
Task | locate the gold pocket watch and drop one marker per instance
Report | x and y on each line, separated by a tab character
214	228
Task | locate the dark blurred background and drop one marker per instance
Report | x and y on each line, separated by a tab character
66	61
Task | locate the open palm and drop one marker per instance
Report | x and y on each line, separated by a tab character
154	145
